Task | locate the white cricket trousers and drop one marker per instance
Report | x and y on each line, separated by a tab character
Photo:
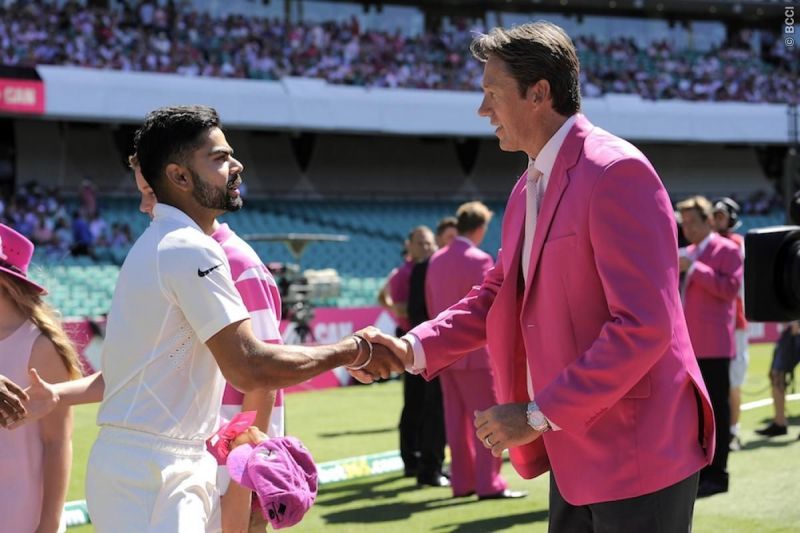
139	482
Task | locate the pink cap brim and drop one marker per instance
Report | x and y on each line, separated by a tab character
19	276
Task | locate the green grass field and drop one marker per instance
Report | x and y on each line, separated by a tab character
352	421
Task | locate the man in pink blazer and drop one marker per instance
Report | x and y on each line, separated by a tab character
467	385
595	372
713	270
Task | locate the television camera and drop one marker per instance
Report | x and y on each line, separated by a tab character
299	289
772	270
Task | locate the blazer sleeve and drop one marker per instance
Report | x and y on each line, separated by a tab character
460	329
724	280
632	234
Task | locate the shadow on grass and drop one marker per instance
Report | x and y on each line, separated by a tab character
368	489
495	523
791	420
374	431
393	511
774	442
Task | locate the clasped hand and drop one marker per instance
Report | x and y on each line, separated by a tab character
389	354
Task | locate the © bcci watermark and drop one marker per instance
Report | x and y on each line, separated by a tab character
788	26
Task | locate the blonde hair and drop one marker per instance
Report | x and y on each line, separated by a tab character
44	317
699	204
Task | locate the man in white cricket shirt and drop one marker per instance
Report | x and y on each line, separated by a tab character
176	320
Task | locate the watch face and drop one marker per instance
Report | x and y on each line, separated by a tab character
537	420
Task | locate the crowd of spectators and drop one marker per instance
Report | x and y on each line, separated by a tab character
176	38
759	202
41	215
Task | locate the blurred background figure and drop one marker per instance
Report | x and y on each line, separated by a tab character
713	270
446	231
422	433
468	384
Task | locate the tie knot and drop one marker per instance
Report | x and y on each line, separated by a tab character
534	175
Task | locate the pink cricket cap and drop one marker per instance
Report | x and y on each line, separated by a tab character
283	475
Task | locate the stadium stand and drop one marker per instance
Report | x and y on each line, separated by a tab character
750	65
82	286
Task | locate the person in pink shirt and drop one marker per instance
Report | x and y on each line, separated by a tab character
37	456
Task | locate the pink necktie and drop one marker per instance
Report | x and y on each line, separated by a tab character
532	199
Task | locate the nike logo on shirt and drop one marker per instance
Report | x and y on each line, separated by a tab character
204	273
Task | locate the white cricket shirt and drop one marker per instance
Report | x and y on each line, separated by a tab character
174	292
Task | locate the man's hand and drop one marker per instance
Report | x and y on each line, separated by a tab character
504	426
11	398
684	263
398	347
388	355
42	398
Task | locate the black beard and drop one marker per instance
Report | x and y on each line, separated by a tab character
213	198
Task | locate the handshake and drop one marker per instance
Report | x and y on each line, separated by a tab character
379	355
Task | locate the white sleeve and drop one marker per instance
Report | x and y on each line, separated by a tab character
197	278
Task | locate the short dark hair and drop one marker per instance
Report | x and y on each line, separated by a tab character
446	222
471	216
536	51
169	135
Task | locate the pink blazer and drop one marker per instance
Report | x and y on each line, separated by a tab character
601	325
710	298
452	272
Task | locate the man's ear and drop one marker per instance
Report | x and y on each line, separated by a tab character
179	177
539	91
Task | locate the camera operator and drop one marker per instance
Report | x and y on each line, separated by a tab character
784	360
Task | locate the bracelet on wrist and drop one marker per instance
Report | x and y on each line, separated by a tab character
359	339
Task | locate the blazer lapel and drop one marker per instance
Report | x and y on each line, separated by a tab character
567	158
513	233
552	196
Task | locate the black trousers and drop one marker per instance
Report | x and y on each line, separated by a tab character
715	374
668	510
422	436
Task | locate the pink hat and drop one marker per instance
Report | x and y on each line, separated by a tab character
15	255
283	475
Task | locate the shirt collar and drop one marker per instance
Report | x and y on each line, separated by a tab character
168	212
547	155
462	238
704	243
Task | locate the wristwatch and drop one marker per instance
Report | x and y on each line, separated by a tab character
536	418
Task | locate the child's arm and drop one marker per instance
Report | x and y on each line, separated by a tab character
236	502
45	396
55	430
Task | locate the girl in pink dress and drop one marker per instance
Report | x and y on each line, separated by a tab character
37	456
